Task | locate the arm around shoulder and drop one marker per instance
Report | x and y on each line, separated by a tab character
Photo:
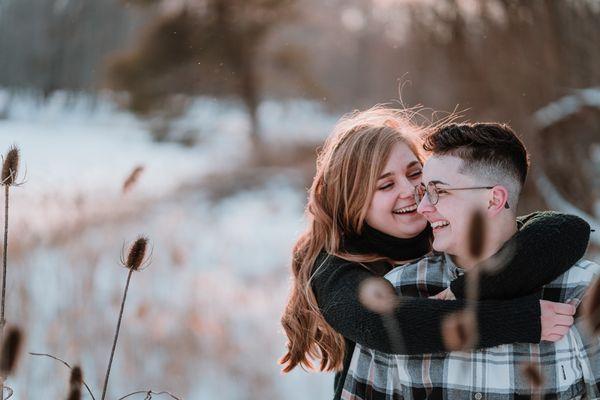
546	246
336	284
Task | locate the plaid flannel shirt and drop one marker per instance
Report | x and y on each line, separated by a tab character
570	367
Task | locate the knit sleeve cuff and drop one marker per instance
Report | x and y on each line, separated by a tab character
510	321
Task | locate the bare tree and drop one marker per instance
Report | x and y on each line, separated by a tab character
204	46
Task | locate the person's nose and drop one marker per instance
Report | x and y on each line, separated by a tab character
406	189
425	205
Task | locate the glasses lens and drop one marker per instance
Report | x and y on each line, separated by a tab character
432	193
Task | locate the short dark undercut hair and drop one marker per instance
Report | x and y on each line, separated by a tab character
489	150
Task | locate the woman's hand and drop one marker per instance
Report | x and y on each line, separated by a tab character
556	319
444	295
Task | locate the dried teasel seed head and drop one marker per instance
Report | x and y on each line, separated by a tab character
76	376
459	331
532	373
476	234
75	384
10	351
378	295
591	308
132	178
75	393
137	253
10	167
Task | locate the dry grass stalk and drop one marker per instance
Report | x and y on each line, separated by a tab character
149	394
10	170
477	236
459	330
498	261
591	308
132	178
11	347
378	295
534	377
75	383
477	239
472	287
66	364
76	376
135	260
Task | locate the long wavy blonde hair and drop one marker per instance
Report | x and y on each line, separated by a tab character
348	167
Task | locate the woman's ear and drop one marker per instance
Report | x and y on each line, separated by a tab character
498	200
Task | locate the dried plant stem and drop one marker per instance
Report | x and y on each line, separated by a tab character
112	353
472	297
4	256
149	394
472	290
393	330
68	366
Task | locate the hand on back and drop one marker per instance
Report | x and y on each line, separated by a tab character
556	319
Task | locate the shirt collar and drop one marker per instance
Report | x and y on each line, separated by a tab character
453	270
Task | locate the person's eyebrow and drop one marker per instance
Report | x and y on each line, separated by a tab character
410	165
438	183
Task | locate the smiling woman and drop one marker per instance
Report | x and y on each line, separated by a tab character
393	209
362	222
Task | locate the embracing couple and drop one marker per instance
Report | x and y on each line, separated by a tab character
392	199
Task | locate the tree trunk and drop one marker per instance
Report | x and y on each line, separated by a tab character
249	94
241	56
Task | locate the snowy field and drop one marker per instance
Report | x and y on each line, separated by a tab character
203	320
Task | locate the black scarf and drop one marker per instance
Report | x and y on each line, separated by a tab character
372	241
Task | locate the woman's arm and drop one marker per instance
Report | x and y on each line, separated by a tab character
546	246
336	286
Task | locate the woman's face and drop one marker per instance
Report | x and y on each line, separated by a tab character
393	209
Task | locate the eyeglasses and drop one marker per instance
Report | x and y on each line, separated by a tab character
433	194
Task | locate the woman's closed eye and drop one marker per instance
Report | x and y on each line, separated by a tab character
415	175
386	186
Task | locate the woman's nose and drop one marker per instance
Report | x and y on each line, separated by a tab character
406	189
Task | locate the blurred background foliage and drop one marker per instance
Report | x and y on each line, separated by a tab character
496	59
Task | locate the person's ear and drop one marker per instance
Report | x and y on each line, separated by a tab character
498	200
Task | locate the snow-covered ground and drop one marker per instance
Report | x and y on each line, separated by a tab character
77	153
203	320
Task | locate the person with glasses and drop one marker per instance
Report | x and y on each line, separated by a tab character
469	193
362	221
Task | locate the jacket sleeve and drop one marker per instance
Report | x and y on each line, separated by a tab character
546	246
417	320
